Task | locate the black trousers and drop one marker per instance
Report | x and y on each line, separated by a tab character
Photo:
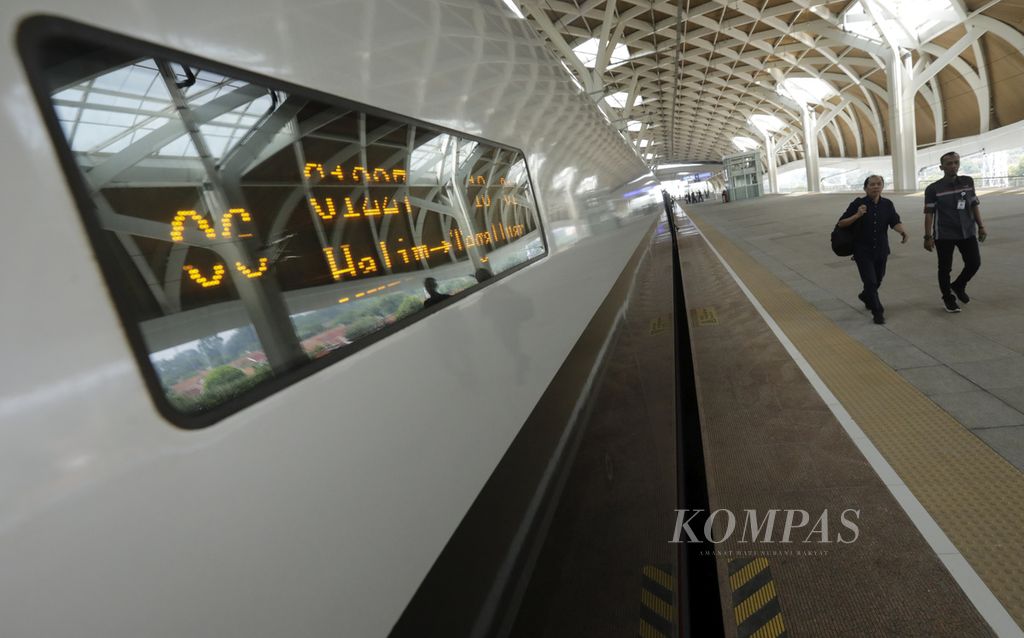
872	270
968	251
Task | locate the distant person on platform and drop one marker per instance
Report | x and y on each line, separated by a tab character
952	219
482	275
433	296
871	217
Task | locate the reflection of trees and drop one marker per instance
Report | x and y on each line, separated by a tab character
222	376
210	347
219	392
1016	170
184	364
241	341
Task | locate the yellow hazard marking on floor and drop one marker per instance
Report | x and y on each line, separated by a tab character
755	604
740	578
772	629
706	317
661	577
657	602
757	600
659	325
646	631
657	605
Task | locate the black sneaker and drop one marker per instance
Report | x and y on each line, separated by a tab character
864	298
960	292
878	317
950	304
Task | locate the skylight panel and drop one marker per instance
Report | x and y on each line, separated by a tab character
806	90
588	51
634	125
618	100
908	21
857	21
767	123
744	143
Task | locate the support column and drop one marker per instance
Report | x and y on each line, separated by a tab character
773	169
810	121
902	123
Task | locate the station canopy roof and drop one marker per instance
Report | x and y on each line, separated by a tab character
688	77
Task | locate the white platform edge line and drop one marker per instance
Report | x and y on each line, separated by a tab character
959	568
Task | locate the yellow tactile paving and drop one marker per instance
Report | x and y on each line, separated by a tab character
974	494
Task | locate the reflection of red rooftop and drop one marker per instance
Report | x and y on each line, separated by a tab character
326	341
193	386
247	362
190	387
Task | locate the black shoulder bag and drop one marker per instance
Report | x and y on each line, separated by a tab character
842	240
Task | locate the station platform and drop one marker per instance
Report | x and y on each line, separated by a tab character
807	405
901	443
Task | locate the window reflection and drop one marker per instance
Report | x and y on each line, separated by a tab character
248	231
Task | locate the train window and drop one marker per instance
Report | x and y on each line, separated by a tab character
253	232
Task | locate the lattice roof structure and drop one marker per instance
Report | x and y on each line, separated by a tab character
704	67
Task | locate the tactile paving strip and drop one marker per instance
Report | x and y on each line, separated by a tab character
974	494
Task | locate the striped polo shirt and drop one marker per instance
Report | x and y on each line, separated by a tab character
943	197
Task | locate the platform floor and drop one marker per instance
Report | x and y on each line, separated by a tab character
971	364
935	397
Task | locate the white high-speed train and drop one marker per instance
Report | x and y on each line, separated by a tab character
282	283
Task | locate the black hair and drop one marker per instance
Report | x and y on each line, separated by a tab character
945	155
868	179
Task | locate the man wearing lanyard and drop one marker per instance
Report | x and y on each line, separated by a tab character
952	219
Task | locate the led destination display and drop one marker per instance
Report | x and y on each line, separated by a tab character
247	231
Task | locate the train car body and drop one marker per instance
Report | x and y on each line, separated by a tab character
316	504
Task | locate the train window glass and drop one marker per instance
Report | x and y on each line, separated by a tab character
253	232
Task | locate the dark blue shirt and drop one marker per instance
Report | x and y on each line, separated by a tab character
953	219
871	232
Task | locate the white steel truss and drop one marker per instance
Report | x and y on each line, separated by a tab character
704	67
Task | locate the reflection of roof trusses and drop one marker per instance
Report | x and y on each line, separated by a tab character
153	125
731	55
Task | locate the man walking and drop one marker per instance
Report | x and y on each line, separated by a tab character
952	219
